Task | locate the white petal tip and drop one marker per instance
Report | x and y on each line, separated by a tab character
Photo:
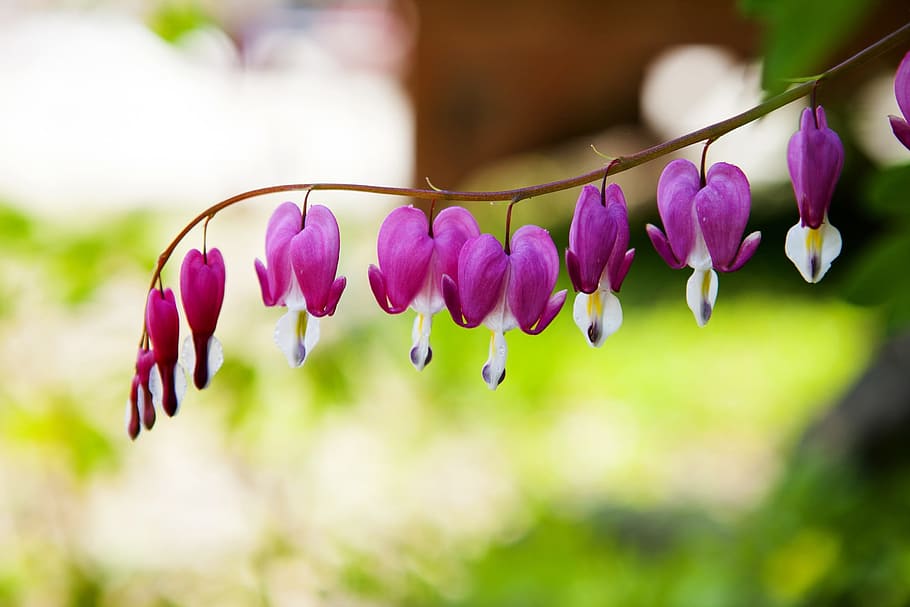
296	334
701	295
813	250
215	357
494	371
598	315
421	353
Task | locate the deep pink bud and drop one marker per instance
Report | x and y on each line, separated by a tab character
140	408
815	157
166	381
202	278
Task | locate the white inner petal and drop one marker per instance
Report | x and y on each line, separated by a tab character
215	356
155	386
428	300
420	339
188	356
179	386
500	318
597	315
701	293
812	251
494	370
699	258
296	334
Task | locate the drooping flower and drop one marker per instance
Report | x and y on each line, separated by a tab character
302	253
504	290
140	408
412	262
202	291
167	382
704	224
899	125
815	157
597	260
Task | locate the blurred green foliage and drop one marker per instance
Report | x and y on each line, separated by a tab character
800	35
814	541
872	280
175	18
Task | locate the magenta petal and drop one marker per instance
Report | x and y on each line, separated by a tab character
377	285
453	302
573	269
619	275
451	229
722	207
314	258
284	224
202	289
335	294
404	248
746	251
534	269
901	130
482	266
591	236
662	246
676	189
620	258
552	308
902	87
264	283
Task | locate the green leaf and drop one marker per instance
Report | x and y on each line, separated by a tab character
800	36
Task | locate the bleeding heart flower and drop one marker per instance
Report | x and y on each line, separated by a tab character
504	290
815	157
704	224
597	260
412	261
302	253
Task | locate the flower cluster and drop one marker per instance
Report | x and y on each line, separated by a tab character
428	264
159	382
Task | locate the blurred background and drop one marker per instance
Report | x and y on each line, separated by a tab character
762	460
